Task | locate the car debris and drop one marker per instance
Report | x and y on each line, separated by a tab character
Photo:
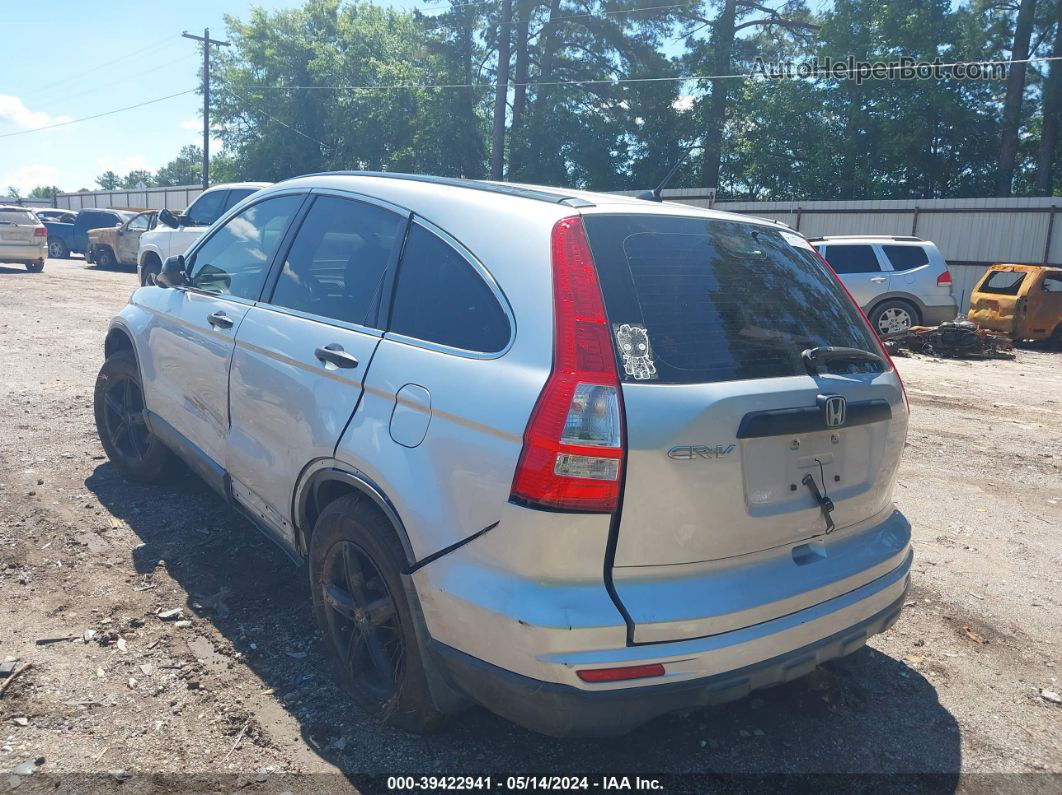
170	615
957	338
1050	695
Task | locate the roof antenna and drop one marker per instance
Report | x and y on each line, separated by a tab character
654	195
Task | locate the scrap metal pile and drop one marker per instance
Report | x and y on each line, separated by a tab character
954	338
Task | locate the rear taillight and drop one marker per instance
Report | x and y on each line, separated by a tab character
944	280
40	231
573	446
877	339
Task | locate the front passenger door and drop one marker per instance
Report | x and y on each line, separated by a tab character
190	340
301	356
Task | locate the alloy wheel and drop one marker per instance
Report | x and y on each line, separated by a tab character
894	319
124	409
55	249
363	621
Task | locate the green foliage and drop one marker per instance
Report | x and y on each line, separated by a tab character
347	85
185	169
108	180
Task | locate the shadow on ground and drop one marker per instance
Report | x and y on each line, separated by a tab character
867	713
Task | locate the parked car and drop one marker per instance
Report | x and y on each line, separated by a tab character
54	214
65	239
898	281
119	245
580	458
1022	301
23	238
176	232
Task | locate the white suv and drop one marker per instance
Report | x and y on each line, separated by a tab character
174	233
580	458
898	281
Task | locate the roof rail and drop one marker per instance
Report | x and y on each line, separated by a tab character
906	238
558	197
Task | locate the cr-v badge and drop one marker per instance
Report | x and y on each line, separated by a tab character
687	452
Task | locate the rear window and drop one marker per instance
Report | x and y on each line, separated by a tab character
1003	283
17	217
852	259
905	258
694	300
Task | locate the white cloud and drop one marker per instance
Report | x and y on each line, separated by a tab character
683	103
14	111
28	177
192	124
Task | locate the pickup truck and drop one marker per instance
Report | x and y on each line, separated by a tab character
67	239
118	245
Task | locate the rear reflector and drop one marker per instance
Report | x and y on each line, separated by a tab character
40	231
621	674
944	280
573	445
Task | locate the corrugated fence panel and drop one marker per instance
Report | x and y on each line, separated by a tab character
986	237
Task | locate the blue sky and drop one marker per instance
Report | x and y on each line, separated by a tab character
68	59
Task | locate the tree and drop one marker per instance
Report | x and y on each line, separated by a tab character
13	193
44	192
137	177
1047	151
185	169
1008	140
501	91
108	180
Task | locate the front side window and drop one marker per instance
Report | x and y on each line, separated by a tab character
235	259
206	209
905	258
852	259
138	224
705	300
335	267
441	298
1002	283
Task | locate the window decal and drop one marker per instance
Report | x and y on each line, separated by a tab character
633	343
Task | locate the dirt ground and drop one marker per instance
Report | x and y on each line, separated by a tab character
235	685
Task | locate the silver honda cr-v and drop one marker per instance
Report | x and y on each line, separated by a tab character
579	458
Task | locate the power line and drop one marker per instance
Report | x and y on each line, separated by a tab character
282	124
603	81
98	115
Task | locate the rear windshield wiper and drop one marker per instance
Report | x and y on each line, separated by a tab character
817	359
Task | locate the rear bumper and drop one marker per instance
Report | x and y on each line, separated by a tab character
564	711
31	253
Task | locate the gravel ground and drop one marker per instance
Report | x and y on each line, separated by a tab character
235	685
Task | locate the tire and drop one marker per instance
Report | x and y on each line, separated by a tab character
361	608
149	270
57	249
892	316
118	403
105	258
35	267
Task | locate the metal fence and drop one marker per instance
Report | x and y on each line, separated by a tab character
175	197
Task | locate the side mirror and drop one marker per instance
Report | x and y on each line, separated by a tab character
172	273
169	219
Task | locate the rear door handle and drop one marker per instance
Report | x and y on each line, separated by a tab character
219	319
334	353
878	278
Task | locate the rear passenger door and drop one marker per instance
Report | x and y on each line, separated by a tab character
860	268
436	413
303	351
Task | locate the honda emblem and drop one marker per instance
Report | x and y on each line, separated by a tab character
834	410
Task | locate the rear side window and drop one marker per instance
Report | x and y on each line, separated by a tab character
441	298
206	209
717	300
905	258
1053	283
1002	283
335	267
17	217
101	220
852	259
237	195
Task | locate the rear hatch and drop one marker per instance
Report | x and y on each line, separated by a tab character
731	431
995	302
17	228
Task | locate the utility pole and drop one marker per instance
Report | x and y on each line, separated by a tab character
207	41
